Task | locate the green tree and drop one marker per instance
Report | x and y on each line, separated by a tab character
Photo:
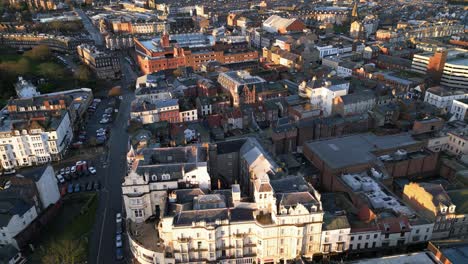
19	67
51	70
64	252
83	74
39	53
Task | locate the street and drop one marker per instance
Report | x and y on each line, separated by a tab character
92	30
102	244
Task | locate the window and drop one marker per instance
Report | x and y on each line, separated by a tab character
138	213
375	236
352	238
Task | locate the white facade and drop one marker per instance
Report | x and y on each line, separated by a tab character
27	147
16	224
457	143
322	97
47	187
361	239
189	115
443	101
458	109
437	144
336	240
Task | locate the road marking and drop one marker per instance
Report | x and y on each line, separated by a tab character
100	237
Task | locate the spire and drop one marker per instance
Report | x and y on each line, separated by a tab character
354	13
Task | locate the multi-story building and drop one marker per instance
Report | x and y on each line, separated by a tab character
168	110
29	40
449	67
322	93
240	85
193	50
277	24
355	103
432	201
144	112
457	142
459	109
106	66
329	14
152	88
283	221
335	234
442	97
129	27
39	140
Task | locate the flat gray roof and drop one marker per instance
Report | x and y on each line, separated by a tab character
356	149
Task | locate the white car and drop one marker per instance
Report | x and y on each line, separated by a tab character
118	218
104	121
73	169
60	178
92	170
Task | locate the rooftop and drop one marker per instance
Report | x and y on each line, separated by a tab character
357	149
460	199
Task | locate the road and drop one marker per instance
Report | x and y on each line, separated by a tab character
89	26
102	244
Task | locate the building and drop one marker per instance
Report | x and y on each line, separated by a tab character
282	221
22	198
355	103
457	142
458	109
144	112
277	24
28	142
449	67
448	251
152	87
192	50
442	97
11	255
282	57
322	93
106	66
134	27
331	157
240	85
25	89
24	41
335	234
168	110
432	201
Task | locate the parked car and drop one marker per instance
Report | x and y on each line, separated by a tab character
77	187
119	254
63	190
67	170
70	188
97	186
89	186
73	169
109	110
119	229
60	178
101	134
67	176
118	241
62	171
118	218
104	121
92	170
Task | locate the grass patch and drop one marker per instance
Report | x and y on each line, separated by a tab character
73	223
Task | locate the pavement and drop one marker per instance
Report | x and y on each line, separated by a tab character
89	26
112	171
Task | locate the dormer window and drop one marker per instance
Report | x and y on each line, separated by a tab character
154	177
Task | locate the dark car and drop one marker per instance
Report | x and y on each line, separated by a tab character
119	228
119	254
97	186
89	186
70	188
77	187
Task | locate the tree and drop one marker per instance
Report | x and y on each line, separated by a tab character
83	74
39	53
19	67
51	70
115	91
64	252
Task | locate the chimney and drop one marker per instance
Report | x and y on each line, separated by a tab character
165	40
